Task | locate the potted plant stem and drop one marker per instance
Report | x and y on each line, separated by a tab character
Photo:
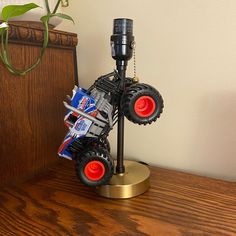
10	12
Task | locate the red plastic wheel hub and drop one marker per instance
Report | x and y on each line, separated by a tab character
144	106
94	170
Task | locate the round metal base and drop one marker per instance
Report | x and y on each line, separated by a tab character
133	182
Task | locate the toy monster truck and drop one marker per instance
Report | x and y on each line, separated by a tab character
92	114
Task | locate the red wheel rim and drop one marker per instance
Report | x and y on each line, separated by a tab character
144	106
94	170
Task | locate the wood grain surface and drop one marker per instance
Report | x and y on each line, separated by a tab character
30	33
31	114
55	203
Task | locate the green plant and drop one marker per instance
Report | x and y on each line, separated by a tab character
11	11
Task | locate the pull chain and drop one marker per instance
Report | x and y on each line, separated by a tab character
135	78
134	55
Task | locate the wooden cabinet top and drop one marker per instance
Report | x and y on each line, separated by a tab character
29	33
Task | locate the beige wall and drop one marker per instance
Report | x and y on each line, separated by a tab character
187	50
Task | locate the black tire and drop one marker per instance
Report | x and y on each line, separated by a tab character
101	143
100	174
91	143
132	101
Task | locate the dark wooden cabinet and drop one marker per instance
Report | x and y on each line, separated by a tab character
31	109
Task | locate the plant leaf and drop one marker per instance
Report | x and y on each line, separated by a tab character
11	11
4	25
63	16
45	18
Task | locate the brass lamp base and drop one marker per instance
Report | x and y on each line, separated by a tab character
133	182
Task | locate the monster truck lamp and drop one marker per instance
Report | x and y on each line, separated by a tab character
92	113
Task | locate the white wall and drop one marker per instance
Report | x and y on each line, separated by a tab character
187	50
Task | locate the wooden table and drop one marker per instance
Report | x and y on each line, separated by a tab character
55	203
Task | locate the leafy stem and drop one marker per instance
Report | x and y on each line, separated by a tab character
56	7
47	6
11	11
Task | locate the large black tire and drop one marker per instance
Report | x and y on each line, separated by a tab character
81	145
101	143
142	104
95	167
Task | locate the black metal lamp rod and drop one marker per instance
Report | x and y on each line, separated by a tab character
122	51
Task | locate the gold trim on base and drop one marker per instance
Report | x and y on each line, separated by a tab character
133	182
